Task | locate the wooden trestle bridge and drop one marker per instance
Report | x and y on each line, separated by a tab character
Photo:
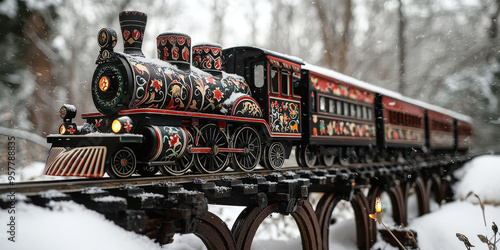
161	206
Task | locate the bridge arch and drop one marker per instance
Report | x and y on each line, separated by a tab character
397	198
435	187
419	187
251	218
214	233
359	203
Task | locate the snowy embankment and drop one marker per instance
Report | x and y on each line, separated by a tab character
71	226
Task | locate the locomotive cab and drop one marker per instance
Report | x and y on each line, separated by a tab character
272	78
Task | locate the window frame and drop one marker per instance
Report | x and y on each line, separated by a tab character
340	108
285	74
260	65
331	106
322	104
271	80
347	109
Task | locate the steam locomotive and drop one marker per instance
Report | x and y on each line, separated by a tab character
174	115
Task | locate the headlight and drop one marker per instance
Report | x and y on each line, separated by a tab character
104	83
62	129
68	129
116	126
122	125
67	111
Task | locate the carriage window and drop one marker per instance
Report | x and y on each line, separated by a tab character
365	113
331	106
358	112
370	113
322	104
258	75
295	81
274	80
285	83
346	109
353	110
339	108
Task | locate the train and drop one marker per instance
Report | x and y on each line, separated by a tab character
204	109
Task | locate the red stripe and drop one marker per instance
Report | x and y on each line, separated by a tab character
85	161
63	166
207	150
191	114
99	164
235	150
77	156
160	144
88	165
199	150
284	61
57	162
205	115
89	115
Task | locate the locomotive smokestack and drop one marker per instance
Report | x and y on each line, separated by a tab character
207	57
133	24
175	48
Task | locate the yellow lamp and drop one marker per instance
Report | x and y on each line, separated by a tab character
116	126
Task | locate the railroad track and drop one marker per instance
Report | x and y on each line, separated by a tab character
161	206
73	185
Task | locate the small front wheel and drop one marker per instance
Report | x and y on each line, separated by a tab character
308	157
123	164
327	159
274	156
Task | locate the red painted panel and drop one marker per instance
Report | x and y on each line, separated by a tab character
334	128
281	63
442	122
334	87
465	133
389	103
403	122
440	130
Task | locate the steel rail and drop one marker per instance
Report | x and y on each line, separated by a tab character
73	185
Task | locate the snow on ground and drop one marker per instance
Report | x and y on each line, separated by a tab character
438	230
480	176
68	225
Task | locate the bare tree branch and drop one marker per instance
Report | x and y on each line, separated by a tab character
22	134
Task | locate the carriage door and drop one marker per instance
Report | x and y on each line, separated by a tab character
284	106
